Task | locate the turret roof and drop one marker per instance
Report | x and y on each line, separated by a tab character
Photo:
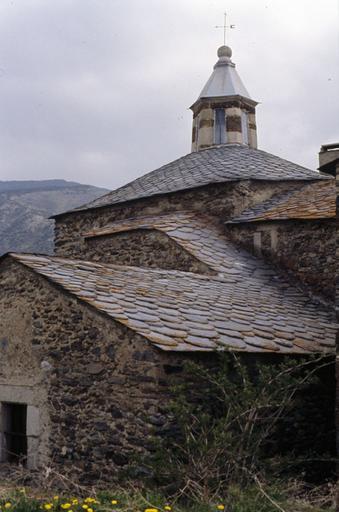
224	80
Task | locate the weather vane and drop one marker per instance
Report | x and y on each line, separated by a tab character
225	27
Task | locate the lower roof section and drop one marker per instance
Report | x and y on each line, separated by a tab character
180	311
196	234
311	202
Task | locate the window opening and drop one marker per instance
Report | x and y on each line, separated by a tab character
219	126
244	126
197	131
14	422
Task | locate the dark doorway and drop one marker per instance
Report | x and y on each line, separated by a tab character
14	431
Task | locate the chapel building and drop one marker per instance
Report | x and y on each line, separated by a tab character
226	248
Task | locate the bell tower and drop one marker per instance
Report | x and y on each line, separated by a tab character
224	112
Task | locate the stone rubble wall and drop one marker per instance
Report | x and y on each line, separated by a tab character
100	388
143	248
306	248
223	201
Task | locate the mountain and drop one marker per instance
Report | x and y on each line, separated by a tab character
26	205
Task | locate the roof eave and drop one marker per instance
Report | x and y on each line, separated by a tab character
159	194
237	222
223	99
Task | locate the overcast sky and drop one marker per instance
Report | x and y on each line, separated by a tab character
97	91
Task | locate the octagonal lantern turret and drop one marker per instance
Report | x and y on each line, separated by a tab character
224	113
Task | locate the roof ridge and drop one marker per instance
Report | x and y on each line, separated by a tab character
179	273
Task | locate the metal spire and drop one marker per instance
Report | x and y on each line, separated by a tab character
225	27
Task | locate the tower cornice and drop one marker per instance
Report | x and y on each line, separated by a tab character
215	102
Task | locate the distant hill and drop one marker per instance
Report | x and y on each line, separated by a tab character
26	205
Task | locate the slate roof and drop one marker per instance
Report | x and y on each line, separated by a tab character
220	164
313	201
224	80
196	234
179	311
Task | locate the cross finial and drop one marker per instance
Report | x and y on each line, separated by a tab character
225	27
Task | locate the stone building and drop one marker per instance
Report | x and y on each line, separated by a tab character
226	248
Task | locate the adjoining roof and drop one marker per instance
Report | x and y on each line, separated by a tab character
196	234
218	164
224	80
313	201
179	311
329	158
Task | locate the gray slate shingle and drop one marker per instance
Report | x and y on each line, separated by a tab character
180	311
199	236
214	165
313	201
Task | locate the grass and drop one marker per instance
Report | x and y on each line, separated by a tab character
254	498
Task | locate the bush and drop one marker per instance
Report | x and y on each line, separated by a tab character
228	423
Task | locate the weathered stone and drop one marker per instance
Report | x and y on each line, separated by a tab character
95	368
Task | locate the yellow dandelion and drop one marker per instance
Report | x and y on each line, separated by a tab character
48	506
65	506
151	510
221	507
75	502
114	502
55	498
89	500
85	506
167	507
89	510
8	504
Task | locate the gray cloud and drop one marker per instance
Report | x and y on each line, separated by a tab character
98	91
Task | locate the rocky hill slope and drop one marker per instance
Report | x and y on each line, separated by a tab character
26	205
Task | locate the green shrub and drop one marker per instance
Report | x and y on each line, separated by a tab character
226	423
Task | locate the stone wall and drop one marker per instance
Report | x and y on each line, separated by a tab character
143	248
306	248
21	378
223	200
99	387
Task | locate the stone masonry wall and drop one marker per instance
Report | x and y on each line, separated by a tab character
224	200
305	248
21	378
143	248
100	388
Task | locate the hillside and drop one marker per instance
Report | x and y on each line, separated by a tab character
26	205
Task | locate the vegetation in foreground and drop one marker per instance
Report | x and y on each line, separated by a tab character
240	438
247	425
251	499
